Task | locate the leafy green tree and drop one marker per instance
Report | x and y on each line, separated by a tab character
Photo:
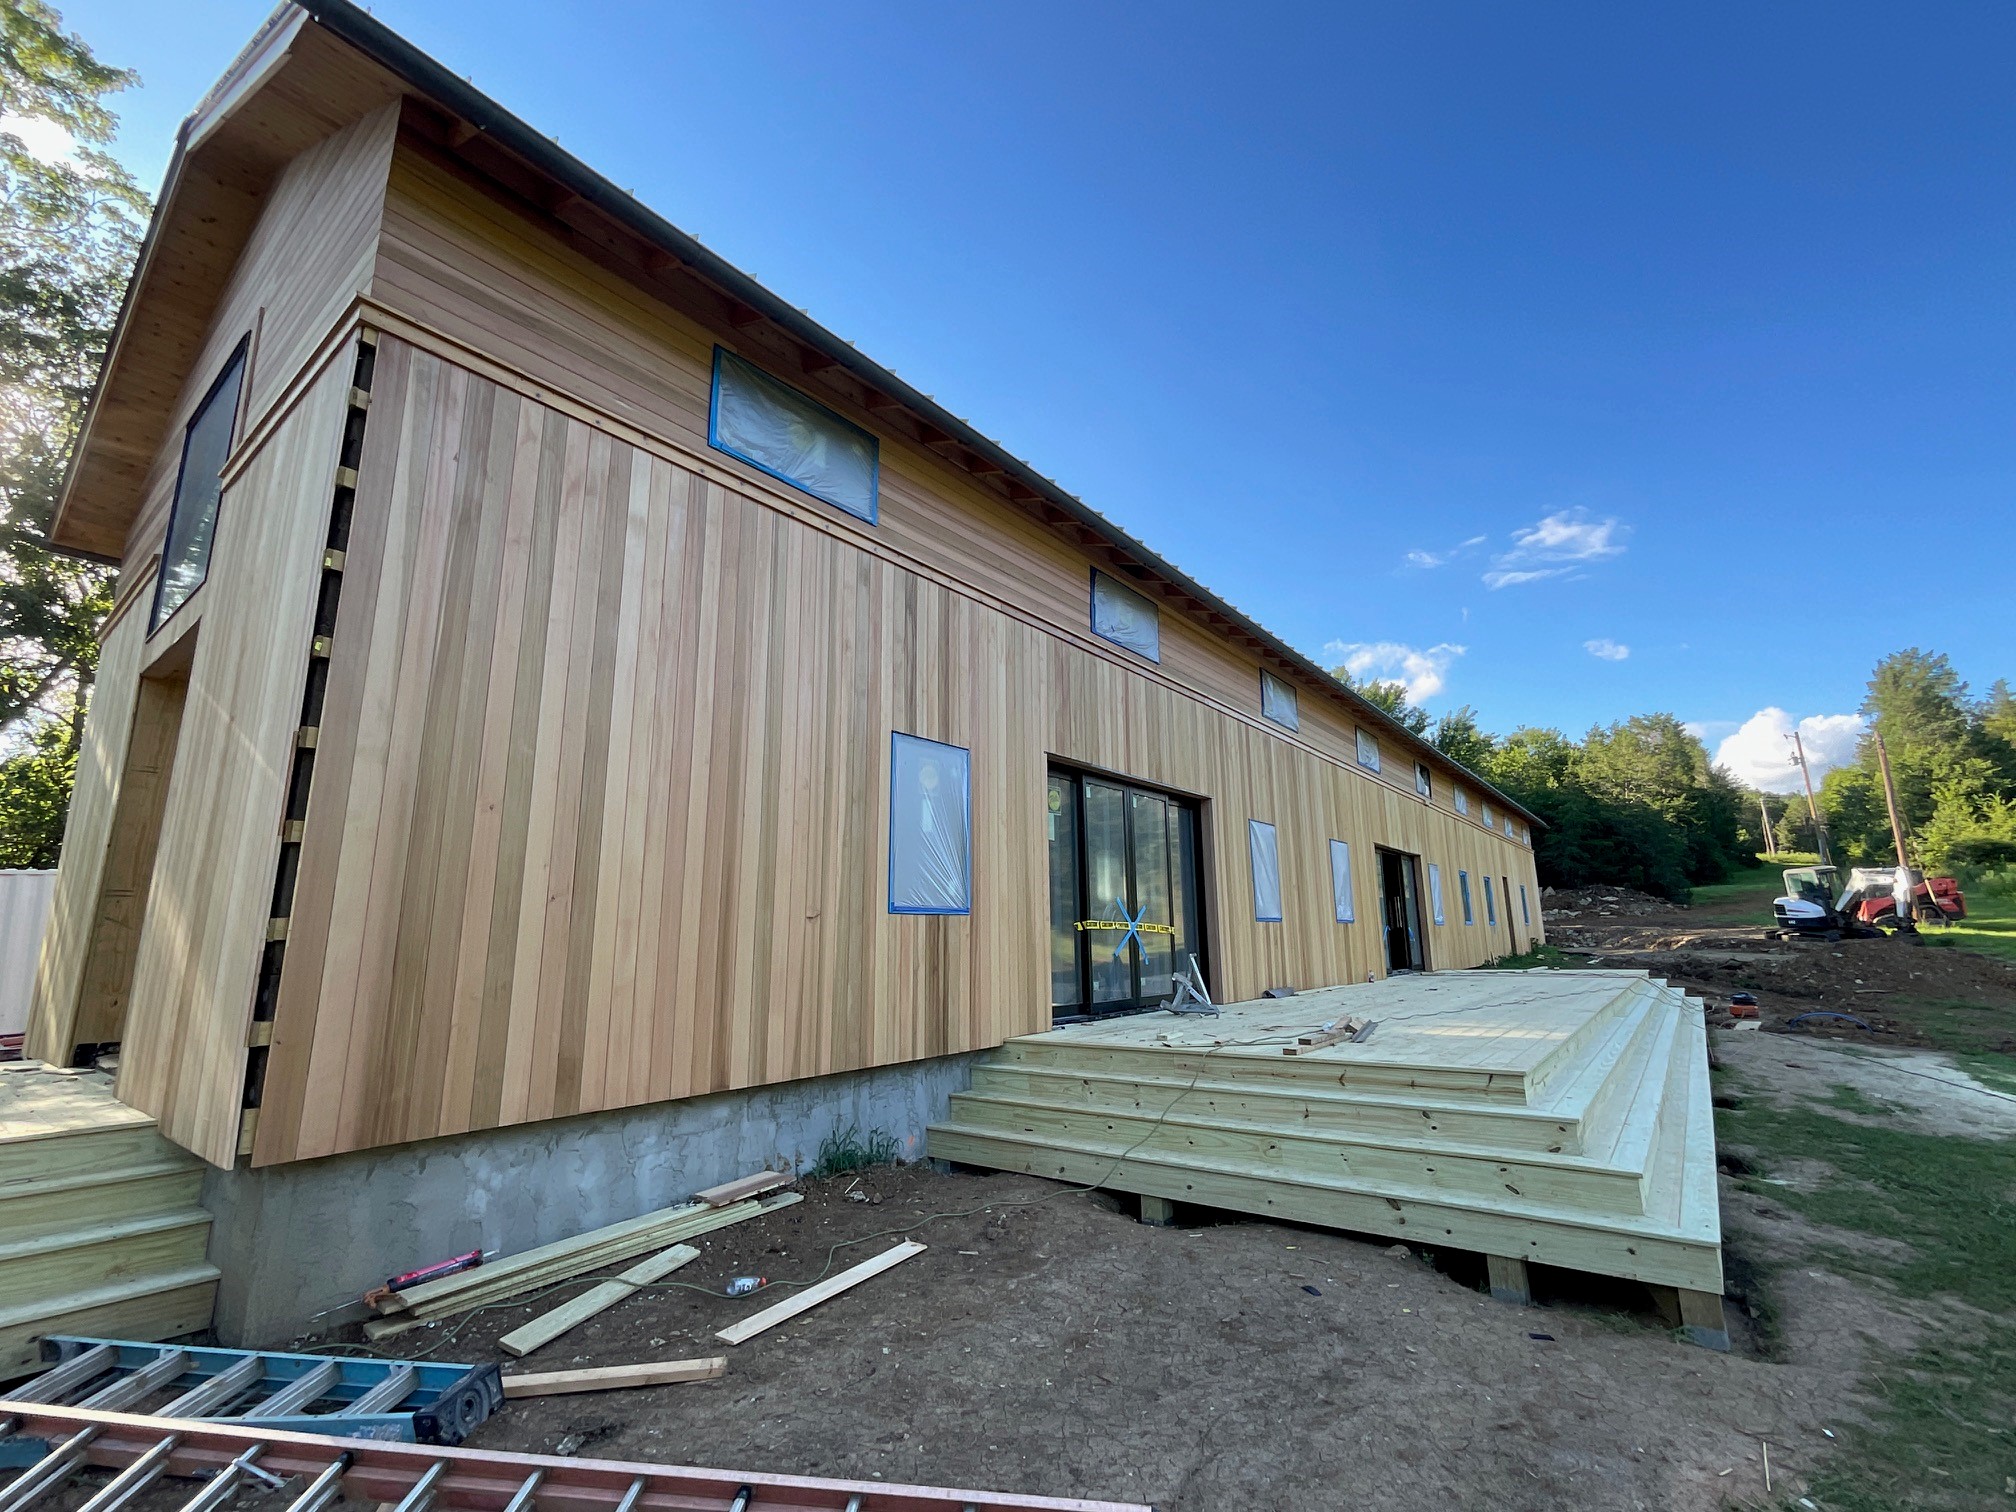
69	231
1389	698
1458	736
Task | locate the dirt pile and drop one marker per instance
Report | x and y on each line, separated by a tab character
1574	903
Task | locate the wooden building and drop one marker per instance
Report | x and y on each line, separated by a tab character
550	674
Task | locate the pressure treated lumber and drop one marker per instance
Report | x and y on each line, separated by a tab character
548	1264
1508	1281
1610	1064
812	1296
547	1327
614	1377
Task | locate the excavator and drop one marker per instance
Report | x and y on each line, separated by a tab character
1815	905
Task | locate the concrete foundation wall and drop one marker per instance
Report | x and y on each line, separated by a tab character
295	1239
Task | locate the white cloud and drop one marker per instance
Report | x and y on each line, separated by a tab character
1555	546
1424	559
1760	751
1423	673
1605	649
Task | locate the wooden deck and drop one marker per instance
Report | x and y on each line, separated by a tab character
1556	1117
100	1228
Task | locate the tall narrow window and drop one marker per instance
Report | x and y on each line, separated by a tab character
1266	872
930	827
1340	882
1368	752
1278	701
192	520
792	437
1490	903
1424	783
1508	827
1463	887
1124	617
1435	890
1461	799
1525	913
1484	812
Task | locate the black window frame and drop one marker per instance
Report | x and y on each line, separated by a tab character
236	365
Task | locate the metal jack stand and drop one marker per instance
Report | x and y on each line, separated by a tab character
1191	995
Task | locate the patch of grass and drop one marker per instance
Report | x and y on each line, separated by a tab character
1990	926
1963	1027
1746	898
1990	1069
847	1150
1841	1095
1539	955
1942	1435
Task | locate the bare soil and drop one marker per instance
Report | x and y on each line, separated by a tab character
1046	1342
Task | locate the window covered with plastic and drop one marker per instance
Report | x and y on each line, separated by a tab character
1266	872
1368	752
1490	902
930	827
1508	828
1463	886
1278	701
1435	890
192	520
1124	617
1340	882
792	436
1461	800
1525	913
1485	810
1424	784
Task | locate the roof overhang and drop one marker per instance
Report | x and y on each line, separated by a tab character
316	66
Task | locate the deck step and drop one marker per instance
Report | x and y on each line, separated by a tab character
1611	1246
101	1254
164	1305
76	1200
1390	1167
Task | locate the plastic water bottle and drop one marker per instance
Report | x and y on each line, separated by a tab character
742	1286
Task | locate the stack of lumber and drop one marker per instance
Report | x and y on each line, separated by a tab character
100	1230
1559	1117
564	1259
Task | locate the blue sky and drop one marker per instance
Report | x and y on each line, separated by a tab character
1689	330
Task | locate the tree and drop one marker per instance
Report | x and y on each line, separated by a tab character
1389	698
69	231
1459	737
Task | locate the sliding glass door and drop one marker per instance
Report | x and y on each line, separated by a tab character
1126	910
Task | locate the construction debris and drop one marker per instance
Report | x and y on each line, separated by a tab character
614	1377
547	1327
812	1296
743	1186
1353	1028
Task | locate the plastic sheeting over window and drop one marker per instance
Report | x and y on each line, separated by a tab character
1525	913
1266	872
1435	891
1368	752
1424	784
1485	811
1463	886
1461	799
1490	903
192	521
930	827
1124	617
1340	882
1508	828
792	436
1278	701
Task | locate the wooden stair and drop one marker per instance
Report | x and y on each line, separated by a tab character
1563	1118
101	1231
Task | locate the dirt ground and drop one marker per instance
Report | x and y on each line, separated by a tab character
1888	983
1046	1342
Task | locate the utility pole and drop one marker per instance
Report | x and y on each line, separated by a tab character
1770	841
1812	808
1907	895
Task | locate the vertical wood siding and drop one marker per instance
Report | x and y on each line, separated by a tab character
600	811
183	1057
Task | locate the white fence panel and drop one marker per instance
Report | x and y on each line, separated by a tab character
24	911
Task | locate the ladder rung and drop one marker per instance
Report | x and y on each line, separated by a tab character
422	1494
145	1381
219	1391
298	1395
388	1393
